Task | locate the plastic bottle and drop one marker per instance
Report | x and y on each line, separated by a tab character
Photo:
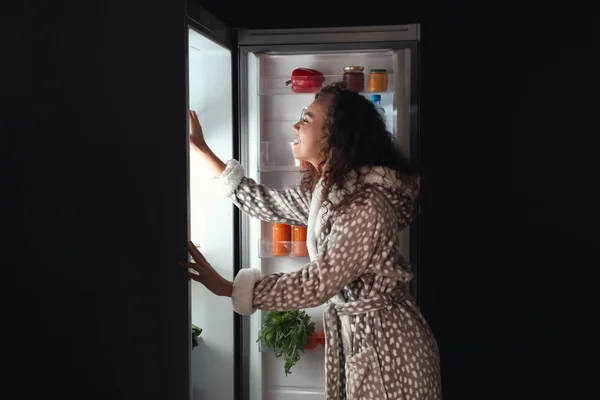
376	99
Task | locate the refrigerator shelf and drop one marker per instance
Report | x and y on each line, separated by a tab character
269	249
276	85
263	348
277	156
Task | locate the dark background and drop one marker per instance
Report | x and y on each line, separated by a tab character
94	215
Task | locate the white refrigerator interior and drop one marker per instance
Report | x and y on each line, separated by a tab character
272	109
211	218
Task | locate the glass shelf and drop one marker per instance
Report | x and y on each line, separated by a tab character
277	156
263	348
270	249
276	85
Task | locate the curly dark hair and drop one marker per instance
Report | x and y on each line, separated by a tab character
354	136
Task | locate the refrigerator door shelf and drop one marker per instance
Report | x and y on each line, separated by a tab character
263	348
276	85
270	249
319	350
278	156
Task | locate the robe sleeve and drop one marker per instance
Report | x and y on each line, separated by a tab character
356	240
288	206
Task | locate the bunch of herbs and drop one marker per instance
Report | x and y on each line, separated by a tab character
287	332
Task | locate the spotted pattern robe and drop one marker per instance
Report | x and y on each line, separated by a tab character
378	344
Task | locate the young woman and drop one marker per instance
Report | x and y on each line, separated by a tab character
355	198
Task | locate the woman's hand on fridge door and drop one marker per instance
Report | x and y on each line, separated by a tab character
198	143
196	135
203	272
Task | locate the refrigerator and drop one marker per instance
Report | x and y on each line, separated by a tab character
237	85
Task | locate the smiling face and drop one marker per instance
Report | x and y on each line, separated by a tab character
309	132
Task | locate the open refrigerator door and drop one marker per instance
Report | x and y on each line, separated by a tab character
211	220
269	107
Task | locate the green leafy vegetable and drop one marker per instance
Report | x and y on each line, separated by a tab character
287	332
195	333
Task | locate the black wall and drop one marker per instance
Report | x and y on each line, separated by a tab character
93	209
94	202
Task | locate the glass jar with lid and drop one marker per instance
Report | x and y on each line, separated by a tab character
354	77
378	81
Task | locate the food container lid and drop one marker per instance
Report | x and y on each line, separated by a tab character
354	68
378	71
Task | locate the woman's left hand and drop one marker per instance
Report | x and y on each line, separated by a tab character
206	274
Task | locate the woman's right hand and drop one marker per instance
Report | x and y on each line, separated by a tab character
206	274
196	135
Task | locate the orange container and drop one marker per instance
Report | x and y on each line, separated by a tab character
282	235
313	341
299	241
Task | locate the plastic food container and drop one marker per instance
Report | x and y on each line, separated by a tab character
282	235
299	241
313	341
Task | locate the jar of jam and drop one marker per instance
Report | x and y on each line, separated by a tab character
282	236
378	81
354	77
299	241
